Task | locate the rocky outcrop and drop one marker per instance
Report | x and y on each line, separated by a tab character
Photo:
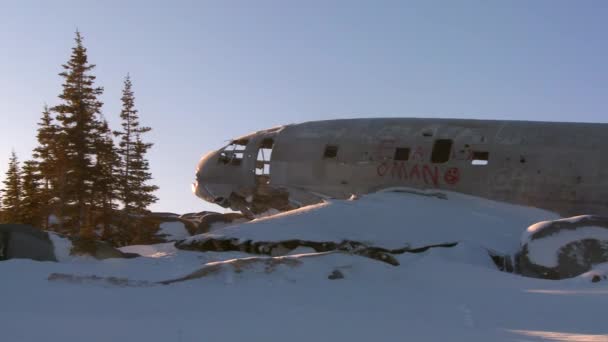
26	242
563	248
194	223
278	248
206	221
263	264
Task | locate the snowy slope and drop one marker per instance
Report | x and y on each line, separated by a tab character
447	294
394	219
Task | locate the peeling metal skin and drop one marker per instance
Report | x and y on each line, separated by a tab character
556	166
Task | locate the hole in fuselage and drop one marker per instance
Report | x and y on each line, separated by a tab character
480	158
330	152
441	150
262	163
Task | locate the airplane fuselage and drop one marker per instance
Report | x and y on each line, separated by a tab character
551	165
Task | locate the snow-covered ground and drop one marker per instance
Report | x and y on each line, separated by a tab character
443	294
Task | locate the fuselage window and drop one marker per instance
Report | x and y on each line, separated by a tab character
233	153
402	153
262	164
480	158
331	152
441	150
267	143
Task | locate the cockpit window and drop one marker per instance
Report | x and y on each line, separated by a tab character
233	153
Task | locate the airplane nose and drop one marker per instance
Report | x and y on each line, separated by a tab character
209	184
199	190
203	173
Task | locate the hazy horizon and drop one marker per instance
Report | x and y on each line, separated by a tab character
204	72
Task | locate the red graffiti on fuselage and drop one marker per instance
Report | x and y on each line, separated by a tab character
429	174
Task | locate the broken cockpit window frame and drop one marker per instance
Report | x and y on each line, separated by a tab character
480	158
233	153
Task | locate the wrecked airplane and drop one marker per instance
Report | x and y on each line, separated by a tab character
556	166
550	165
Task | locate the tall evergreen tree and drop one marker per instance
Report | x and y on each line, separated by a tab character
143	192
126	150
105	175
11	199
134	191
51	163
31	208
79	126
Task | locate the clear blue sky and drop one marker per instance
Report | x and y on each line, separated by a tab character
206	71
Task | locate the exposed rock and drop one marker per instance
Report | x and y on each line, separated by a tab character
194	223
212	220
336	274
19	241
164	215
563	248
278	248
98	249
596	278
197	223
258	264
25	242
93	279
503	262
237	265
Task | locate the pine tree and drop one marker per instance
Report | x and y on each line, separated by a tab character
143	193
105	175
134	192
11	199
79	125
31	208
51	161
130	127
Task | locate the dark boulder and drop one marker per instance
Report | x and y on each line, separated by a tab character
19	241
336	274
25	242
563	248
